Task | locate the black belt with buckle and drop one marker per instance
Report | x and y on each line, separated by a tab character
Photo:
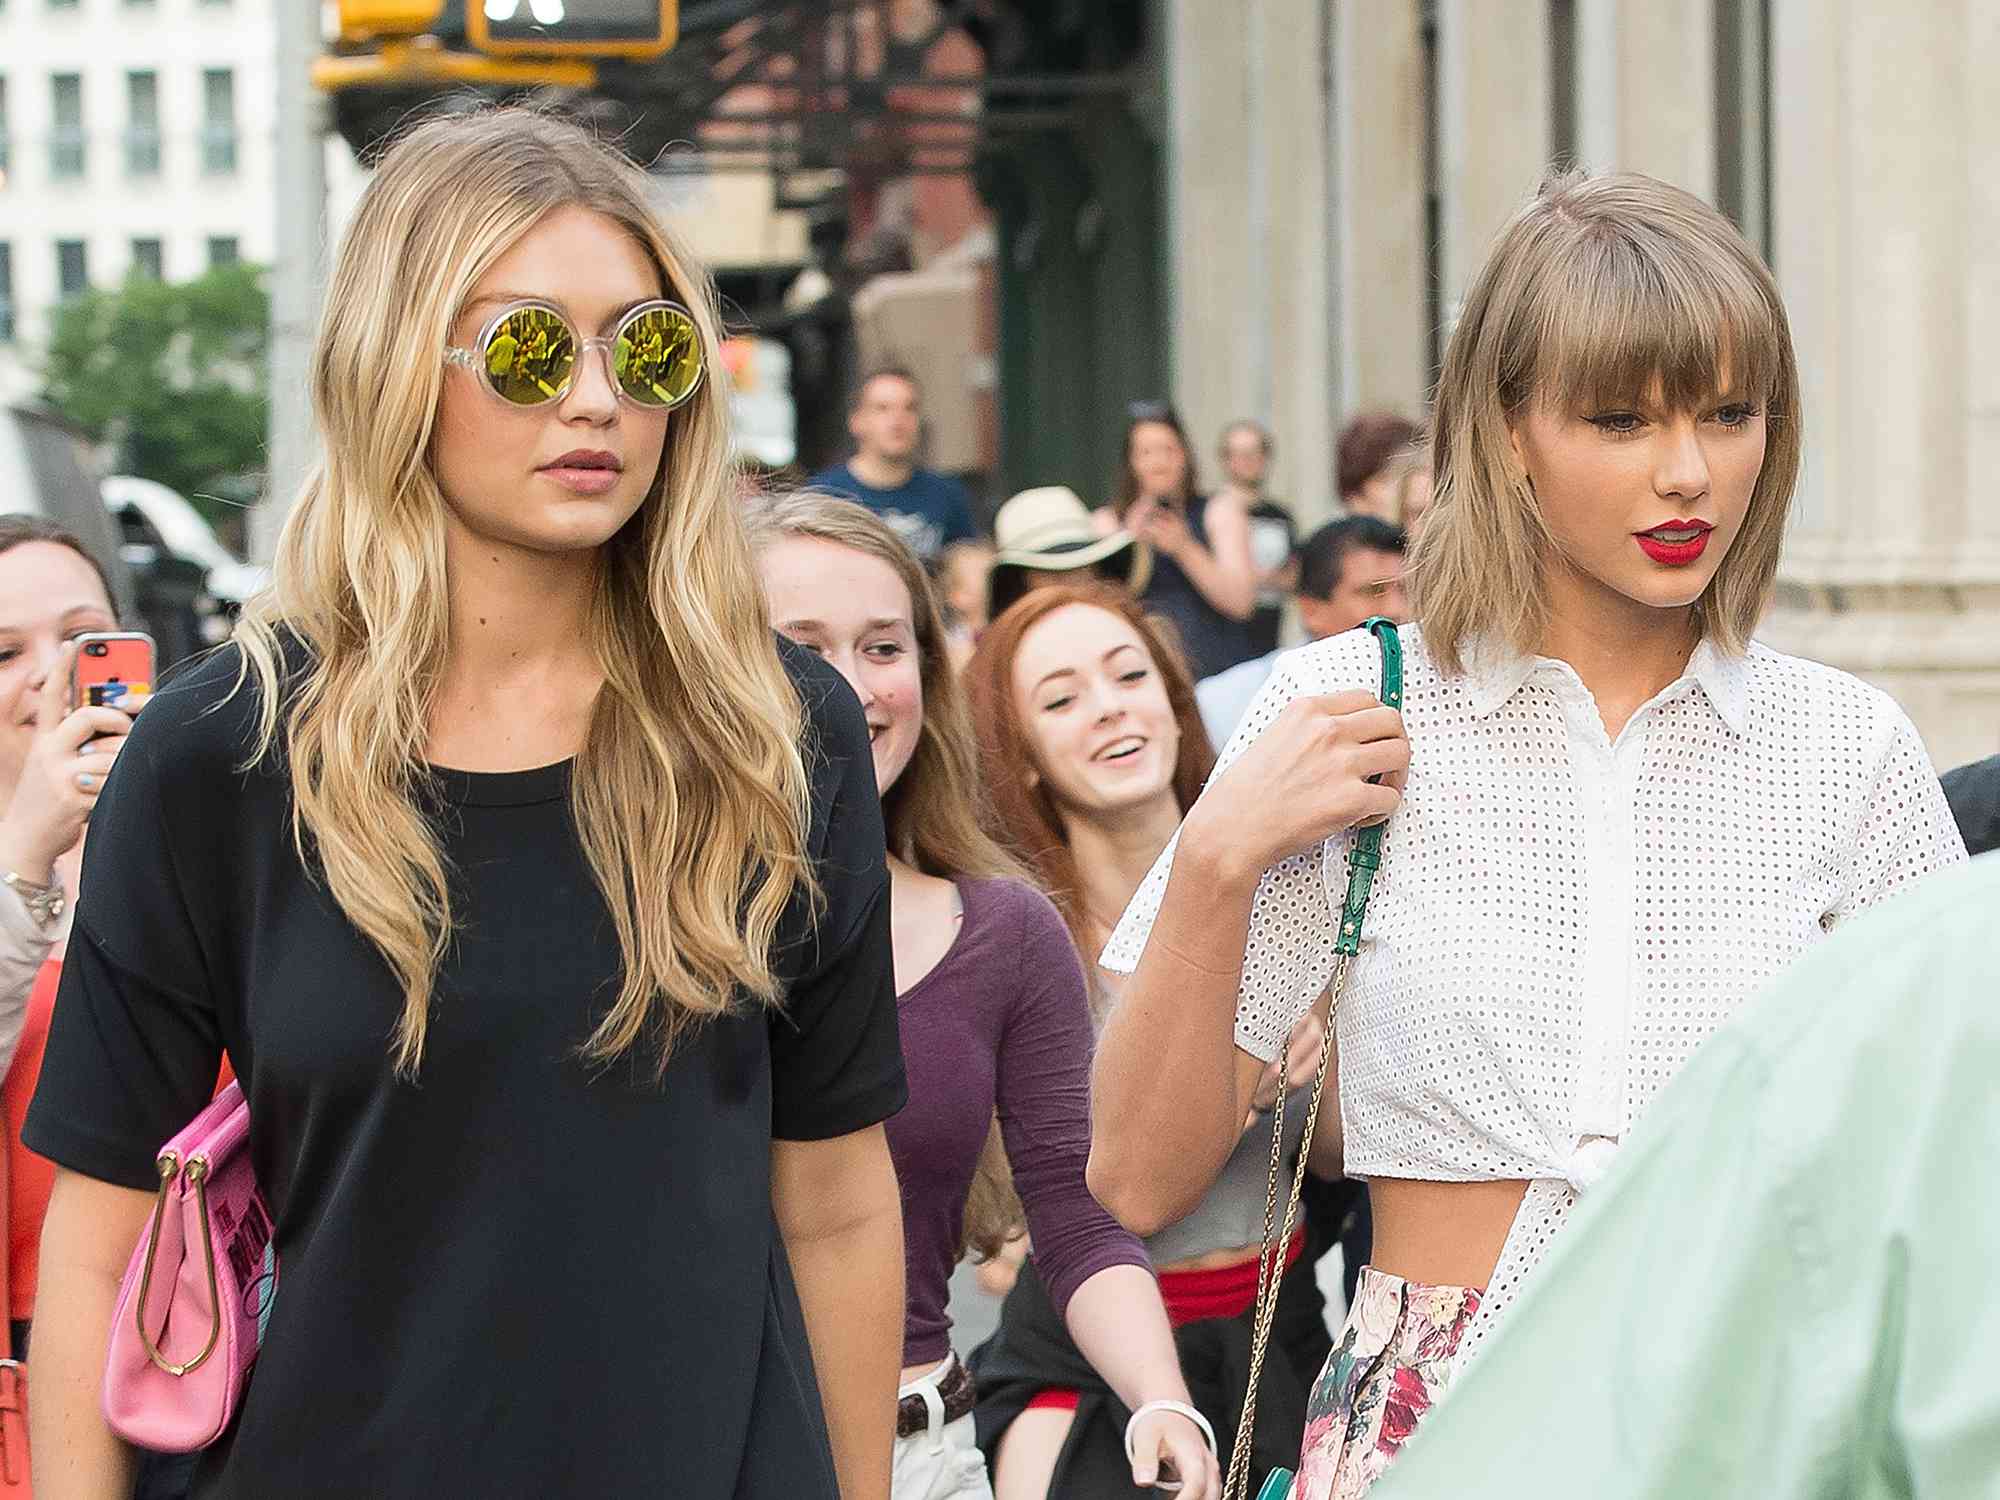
954	1390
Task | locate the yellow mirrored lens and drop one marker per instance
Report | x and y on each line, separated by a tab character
530	355
658	357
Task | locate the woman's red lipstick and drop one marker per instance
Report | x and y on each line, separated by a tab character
1674	544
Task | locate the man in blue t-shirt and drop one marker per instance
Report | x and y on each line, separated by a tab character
928	510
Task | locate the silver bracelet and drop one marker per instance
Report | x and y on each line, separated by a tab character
1181	1407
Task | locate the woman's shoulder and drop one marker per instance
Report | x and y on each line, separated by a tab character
204	719
833	731
1797	698
1022	931
1008	904
833	718
1349	661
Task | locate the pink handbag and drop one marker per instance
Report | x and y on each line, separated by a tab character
187	1325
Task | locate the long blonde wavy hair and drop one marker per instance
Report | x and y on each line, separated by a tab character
689	794
1598	290
932	812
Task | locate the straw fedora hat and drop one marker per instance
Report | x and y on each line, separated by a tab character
1049	530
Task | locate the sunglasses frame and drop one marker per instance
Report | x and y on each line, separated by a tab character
474	359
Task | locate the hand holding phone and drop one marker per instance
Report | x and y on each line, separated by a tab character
113	669
76	742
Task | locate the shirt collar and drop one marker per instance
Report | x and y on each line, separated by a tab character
1725	677
1495	671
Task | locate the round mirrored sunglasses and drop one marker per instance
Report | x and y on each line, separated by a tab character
528	351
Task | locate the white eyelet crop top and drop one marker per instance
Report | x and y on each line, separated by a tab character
1561	919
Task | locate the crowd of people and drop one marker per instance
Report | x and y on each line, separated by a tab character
1220	566
660	933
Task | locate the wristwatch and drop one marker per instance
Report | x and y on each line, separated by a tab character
44	902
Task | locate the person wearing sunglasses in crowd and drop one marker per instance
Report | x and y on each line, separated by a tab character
1621	819
993	1013
1093	747
537	893
1204	577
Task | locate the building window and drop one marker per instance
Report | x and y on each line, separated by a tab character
66	140
142	128
72	269
62	4
223	250
6	293
6	153
218	130
149	259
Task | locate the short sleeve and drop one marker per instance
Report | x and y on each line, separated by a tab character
134	1042
1907	830
836	1055
1288	952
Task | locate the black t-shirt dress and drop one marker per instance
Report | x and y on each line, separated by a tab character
518	1275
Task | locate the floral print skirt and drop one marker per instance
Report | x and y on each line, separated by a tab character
1392	1363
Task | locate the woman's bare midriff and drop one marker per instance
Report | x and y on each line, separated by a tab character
1443	1233
1214	1260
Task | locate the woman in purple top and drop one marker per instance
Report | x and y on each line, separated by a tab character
994	1020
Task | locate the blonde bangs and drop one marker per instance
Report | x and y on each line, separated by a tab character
1608	293
1628	320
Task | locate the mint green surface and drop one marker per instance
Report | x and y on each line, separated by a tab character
1787	1285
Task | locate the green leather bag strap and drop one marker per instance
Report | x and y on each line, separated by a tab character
1365	857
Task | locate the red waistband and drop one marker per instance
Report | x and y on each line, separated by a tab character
1221	1291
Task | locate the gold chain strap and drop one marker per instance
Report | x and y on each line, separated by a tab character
1271	1256
1364	858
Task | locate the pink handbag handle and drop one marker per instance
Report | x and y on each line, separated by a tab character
184	1336
197	1170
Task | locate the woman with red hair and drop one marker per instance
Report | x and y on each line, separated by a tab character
1093	748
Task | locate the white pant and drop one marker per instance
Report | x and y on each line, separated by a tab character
943	1462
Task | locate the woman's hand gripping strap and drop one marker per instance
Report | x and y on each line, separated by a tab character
1364	857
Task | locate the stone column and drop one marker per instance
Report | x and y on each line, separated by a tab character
1888	249
1646	89
1247	229
1494	125
1380	261
1293	284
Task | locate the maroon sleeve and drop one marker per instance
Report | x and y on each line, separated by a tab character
1042	1095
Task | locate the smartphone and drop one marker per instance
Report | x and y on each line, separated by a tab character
114	669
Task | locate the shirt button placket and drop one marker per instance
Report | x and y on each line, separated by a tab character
1602	783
